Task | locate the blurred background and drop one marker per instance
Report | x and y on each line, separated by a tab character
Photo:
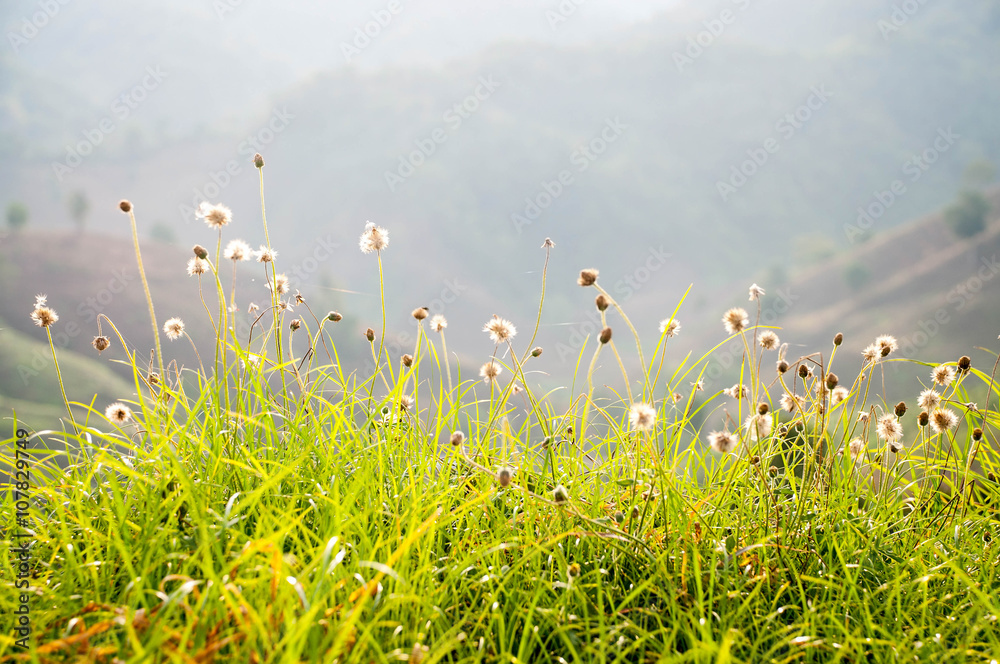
842	154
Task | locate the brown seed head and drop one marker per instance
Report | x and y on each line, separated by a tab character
536	351
803	371
923	418
457	438
370	335
560	494
258	161
900	409
602	303
762	408
782	366
838	338
772	471
605	335
101	343
125	205
420	313
831	380
200	251
977	434
295	324
334	317
964	364
754	460
587	277
407	360
503	477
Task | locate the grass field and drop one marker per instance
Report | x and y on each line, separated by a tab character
271	505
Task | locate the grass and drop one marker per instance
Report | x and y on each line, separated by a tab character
292	510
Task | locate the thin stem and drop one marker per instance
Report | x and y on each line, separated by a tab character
145	287
62	388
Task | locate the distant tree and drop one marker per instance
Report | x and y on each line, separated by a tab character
17	216
856	275
967	215
161	232
79	208
979	174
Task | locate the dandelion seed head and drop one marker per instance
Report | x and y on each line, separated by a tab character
196	266
374	238
670	327
736	320
237	250
489	371
768	340
641	416
942	420
736	391
438	323
758	426
500	329
42	315
216	216
929	399
588	277
406	403
266	254
756	292
173	328
548	244
101	343
280	285
118	413
943	375
722	442
889	429
886	344
871	353
856	448
839	395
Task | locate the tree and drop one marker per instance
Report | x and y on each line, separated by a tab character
17	216
979	174
967	215
79	208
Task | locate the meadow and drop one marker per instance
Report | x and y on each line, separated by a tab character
271	504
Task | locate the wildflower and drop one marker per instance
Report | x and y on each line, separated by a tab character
370	335
756	292
503	477
438	323
839	395
252	309
536	351
698	386
101	343
977	434
924	418
929	399
605	335
118	413
457	438
258	160
886	344
125	205
489	371
889	429
736	391
334	317
768	340
722	442
406	403
420	313
601	302
782	366
856	448
758	426
943	375
670	327
863	417
900	409
560	494
762	408
548	244
237	250
838	338
173	328
943	420
736	320
516	388
216	216
197	266
299	298
280	285
500	329
587	277
789	402
964	364
804	371
42	315
641	416
832	380
375	238
295	324
407	360
871	353
266	254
